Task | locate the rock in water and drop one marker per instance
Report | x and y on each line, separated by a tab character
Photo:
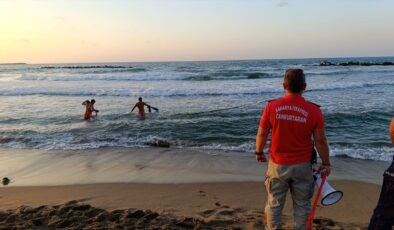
160	143
5	181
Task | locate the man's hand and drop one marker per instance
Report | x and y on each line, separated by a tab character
261	158
324	169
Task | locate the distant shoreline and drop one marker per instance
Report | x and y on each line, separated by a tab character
16	63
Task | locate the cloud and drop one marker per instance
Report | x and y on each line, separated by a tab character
83	42
60	18
19	41
282	4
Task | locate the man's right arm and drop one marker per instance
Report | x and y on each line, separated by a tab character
262	135
261	141
134	107
321	144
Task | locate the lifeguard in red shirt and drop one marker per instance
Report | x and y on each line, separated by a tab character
294	124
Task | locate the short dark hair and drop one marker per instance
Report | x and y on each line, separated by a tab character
294	80
140	98
93	101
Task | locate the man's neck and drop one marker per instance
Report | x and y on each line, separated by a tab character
288	93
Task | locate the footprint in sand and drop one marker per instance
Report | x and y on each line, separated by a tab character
202	193
140	167
227	211
207	213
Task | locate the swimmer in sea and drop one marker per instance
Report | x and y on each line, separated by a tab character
92	102
141	107
88	112
89	109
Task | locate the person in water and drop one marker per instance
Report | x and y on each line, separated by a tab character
141	107
92	102
383	215
89	109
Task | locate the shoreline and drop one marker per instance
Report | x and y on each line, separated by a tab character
27	167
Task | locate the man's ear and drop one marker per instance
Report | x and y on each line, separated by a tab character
304	87
284	86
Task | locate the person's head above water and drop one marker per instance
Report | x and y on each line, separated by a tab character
140	98
294	81
92	101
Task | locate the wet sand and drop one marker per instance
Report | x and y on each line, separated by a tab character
26	167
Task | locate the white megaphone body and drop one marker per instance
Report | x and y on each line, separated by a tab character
329	194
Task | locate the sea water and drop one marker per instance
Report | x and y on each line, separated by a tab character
202	105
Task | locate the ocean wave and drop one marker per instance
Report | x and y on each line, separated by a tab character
87	67
338	85
125	92
165	91
66	141
134	75
335	71
379	154
137	75
252	75
246	147
9	77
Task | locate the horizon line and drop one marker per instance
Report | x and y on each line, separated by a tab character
201	60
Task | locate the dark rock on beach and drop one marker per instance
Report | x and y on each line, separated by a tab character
161	143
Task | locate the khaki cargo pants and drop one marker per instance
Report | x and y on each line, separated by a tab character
299	180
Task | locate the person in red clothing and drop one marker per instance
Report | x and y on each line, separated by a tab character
89	109
295	125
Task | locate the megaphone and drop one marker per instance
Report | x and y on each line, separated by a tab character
330	196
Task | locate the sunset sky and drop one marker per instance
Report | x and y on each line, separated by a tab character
51	31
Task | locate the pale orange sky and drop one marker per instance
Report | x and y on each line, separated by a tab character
51	31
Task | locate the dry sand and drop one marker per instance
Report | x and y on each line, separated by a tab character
176	206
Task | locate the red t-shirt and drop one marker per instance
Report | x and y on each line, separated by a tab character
292	120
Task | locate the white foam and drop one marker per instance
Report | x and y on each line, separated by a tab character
9	77
150	76
153	86
66	141
380	154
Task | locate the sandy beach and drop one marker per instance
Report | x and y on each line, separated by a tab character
140	188
196	205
